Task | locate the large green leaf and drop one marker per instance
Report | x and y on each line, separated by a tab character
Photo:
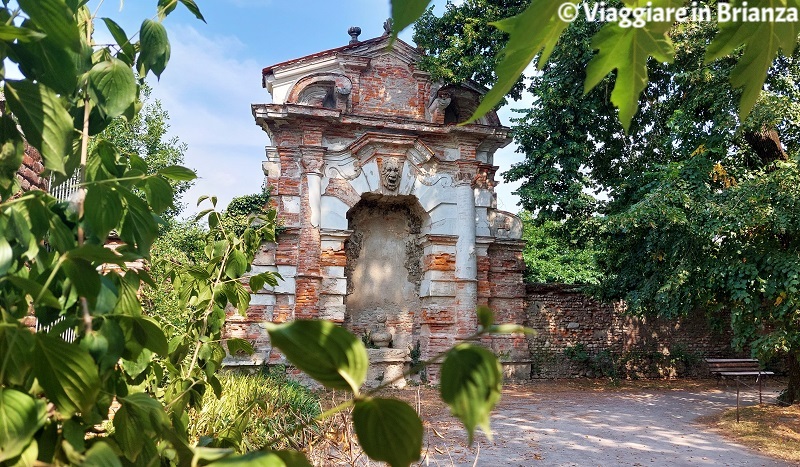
16	345
56	19
121	37
627	50
762	42
146	332
536	30
102	209
388	430
159	194
236	265
138	418
44	120
97	253
20	417
154	48
194	9
101	455
67	374
471	382
6	255
11	33
176	172
39	294
84	277
138	226
239	346
47	63
112	86
405	12
326	352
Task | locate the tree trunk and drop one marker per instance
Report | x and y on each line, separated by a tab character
767	144
792	394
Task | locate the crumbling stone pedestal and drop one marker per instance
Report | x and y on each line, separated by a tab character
387	365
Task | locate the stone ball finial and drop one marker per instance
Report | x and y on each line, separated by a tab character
388	27
354	32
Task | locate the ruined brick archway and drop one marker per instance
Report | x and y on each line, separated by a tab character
384	203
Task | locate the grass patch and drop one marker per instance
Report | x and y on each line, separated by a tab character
256	411
771	429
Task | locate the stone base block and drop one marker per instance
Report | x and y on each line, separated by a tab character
386	365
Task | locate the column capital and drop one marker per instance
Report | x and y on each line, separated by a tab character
311	159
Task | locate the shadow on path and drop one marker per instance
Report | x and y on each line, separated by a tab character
588	428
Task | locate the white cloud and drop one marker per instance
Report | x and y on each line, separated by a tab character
208	93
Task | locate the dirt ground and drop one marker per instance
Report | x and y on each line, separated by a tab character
589	423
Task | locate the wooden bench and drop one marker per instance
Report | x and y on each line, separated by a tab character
737	368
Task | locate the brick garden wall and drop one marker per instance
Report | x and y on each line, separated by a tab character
577	336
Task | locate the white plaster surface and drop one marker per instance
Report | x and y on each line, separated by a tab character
262	299
334	213
429	288
443	220
291	204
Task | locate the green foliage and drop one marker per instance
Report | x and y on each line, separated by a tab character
462	45
552	256
628	50
237	216
51	254
471	382
539	28
255	412
145	136
326	352
388	430
20	417
692	242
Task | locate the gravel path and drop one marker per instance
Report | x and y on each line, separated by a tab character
557	426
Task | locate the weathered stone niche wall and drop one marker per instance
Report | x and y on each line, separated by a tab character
564	317
384	267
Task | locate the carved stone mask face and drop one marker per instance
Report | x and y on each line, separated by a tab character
390	174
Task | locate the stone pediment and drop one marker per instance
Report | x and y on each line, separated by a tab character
418	162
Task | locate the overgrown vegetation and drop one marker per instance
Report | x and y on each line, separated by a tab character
256	411
552	255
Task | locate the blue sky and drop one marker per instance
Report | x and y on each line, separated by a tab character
214	75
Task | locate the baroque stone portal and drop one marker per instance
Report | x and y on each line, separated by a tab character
385	204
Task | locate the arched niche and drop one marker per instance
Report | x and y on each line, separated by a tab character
384	265
328	90
461	103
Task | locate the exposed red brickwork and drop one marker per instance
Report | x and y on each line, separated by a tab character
440	262
343	190
563	317
333	258
30	171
